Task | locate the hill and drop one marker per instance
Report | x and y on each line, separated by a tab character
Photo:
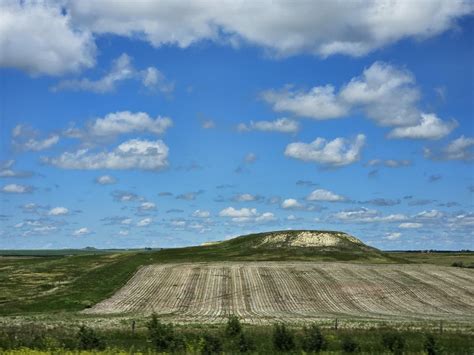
305	245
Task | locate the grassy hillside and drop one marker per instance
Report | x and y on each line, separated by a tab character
72	283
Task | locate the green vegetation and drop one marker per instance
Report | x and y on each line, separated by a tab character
153	336
443	258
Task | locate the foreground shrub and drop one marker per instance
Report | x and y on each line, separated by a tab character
233	327
313	340
394	342
88	339
283	339
211	344
163	336
349	345
431	345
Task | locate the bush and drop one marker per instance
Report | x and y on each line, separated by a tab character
88	339
162	336
349	345
211	344
233	327
313	340
458	264
245	344
394	342
283	339
431	345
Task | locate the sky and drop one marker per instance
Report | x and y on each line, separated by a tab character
129	124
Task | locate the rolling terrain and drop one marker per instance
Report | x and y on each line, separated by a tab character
286	275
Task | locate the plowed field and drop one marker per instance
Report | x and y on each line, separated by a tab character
268	291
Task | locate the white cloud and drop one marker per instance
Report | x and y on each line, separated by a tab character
338	152
6	170
81	231
201	214
123	232
250	158
386	94
144	222
393	236
126	221
432	214
121	70
291	203
26	138
243	212
16	189
106	180
58	211
459	149
429	127
322	28
282	125
126	122
265	217
208	124
245	198
319	103
147	206
364	215
410	225
389	163
38	38
324	195
132	154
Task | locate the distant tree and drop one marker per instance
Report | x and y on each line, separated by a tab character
161	335
313	340
211	344
88	339
394	342
245	344
233	327
283	339
431	345
349	344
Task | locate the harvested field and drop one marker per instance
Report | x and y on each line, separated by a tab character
295	291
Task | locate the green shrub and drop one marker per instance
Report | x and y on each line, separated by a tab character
394	342
211	344
163	336
233	327
245	344
283	339
431	345
313	340
88	339
349	344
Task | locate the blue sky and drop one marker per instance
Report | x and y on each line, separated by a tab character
133	124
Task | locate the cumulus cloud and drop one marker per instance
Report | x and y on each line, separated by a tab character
410	225
81	231
16	189
243	212
384	93
38	37
26	138
321	28
147	206
431	214
121	122
389	163
121	70
429	127
335	153
459	149
58	211
131	154
201	214
105	180
282	125
6	170
126	196
291	203
364	215
324	195
246	198
144	222
393	236
189	196
247	215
